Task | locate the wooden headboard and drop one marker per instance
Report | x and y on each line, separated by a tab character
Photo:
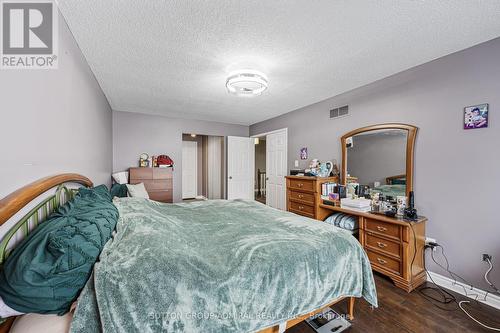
19	199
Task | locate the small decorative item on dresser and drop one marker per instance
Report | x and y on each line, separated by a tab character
164	161
143	160
476	116
401	204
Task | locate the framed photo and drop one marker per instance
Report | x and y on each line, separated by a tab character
303	153
476	116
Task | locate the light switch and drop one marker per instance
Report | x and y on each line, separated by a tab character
296	163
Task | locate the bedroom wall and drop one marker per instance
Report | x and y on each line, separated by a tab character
457	176
135	133
54	121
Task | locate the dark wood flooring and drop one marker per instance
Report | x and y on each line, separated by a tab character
260	198
399	311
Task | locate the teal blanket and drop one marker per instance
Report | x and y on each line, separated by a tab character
217	266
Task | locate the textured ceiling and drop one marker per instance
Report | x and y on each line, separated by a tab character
172	57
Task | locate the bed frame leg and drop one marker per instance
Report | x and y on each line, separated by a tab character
351	308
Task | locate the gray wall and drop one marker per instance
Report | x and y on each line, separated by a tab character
54	121
135	133
374	157
457	178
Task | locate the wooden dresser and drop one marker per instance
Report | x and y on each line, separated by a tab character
157	181
395	247
303	193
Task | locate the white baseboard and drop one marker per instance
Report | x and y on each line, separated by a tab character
446	282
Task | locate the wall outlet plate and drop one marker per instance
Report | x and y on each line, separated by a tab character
486	256
430	240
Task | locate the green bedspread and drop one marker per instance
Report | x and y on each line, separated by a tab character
217	266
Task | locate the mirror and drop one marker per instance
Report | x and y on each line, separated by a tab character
380	157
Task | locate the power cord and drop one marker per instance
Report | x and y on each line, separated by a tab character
452	298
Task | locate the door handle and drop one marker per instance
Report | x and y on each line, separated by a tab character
230	177
267	178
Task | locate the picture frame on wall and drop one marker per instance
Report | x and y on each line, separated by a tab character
303	153
476	116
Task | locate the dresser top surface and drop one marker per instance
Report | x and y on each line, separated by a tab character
380	217
311	177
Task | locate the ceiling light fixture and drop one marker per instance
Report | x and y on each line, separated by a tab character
246	82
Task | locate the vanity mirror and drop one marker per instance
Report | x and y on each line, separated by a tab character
381	157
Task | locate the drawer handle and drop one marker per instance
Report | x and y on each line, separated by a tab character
381	245
301	207
382	261
300	184
300	196
379	228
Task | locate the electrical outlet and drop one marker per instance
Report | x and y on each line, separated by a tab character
430	240
486	256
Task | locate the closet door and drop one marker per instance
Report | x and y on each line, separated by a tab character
276	169
240	168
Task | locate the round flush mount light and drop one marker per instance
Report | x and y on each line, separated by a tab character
246	82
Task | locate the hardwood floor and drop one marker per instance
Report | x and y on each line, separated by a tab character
399	311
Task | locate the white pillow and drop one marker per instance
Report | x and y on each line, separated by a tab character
137	191
6	311
121	177
34	322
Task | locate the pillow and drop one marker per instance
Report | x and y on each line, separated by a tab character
6	311
138	191
47	270
118	190
344	221
120	177
33	322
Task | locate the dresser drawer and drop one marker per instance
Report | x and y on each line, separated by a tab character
302	184
141	173
162	173
302	209
302	196
382	245
386	263
383	228
154	185
162	196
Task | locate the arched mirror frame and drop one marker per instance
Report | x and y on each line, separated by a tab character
410	148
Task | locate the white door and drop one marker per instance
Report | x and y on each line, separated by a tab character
189	169
240	167
276	169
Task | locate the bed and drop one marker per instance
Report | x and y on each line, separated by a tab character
216	266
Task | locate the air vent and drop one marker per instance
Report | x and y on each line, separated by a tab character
339	112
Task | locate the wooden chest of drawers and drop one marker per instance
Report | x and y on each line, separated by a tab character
302	192
395	247
157	181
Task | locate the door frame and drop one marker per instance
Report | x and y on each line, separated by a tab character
195	170
286	151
